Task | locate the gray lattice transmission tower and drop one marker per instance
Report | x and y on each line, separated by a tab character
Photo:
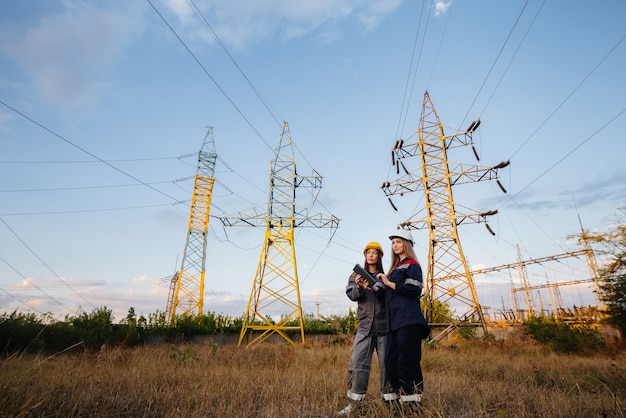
448	277
275	289
186	295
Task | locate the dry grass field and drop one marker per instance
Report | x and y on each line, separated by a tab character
512	378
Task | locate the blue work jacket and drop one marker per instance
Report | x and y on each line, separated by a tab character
403	302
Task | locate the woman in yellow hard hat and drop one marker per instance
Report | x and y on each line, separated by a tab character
372	328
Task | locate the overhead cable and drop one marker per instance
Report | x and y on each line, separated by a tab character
209	75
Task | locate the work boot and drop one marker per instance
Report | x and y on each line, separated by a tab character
351	408
411	404
394	409
392	404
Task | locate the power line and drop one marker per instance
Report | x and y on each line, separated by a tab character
512	59
568	96
219	41
108	186
568	154
30	281
91	161
21	301
506	41
512	197
265	103
208	74
91	155
406	98
85	151
445	30
60	212
43	262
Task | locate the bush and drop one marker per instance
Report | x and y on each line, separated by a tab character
20	332
562	337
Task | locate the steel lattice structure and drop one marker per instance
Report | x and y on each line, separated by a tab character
275	289
448	277
186	294
530	309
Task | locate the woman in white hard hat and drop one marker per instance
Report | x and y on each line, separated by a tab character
406	325
372	328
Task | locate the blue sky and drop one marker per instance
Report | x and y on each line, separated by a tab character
104	107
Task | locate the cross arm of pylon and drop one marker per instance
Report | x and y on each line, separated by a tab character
301	219
458	174
479	217
474	217
402	185
403	149
251	218
470	173
313	181
315	220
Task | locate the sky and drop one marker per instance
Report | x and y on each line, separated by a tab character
105	105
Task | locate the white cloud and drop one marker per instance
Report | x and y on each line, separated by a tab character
180	8
376	11
442	7
239	23
5	117
478	266
65	53
36	303
25	284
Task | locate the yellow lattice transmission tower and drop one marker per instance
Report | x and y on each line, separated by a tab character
274	305
448	277
186	296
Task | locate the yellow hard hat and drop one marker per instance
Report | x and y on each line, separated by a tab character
375	246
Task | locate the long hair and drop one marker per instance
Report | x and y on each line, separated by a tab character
379	263
395	259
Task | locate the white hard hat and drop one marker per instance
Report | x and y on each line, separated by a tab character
404	234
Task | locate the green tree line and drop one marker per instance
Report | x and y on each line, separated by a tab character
28	332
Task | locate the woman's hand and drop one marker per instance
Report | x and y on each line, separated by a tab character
383	277
386	281
361	282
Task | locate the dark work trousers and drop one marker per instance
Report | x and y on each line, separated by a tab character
403	355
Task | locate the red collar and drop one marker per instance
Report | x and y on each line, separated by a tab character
406	261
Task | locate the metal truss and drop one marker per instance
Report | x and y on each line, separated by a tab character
186	296
274	306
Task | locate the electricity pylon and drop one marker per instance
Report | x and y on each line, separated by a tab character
186	294
275	289
448	277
